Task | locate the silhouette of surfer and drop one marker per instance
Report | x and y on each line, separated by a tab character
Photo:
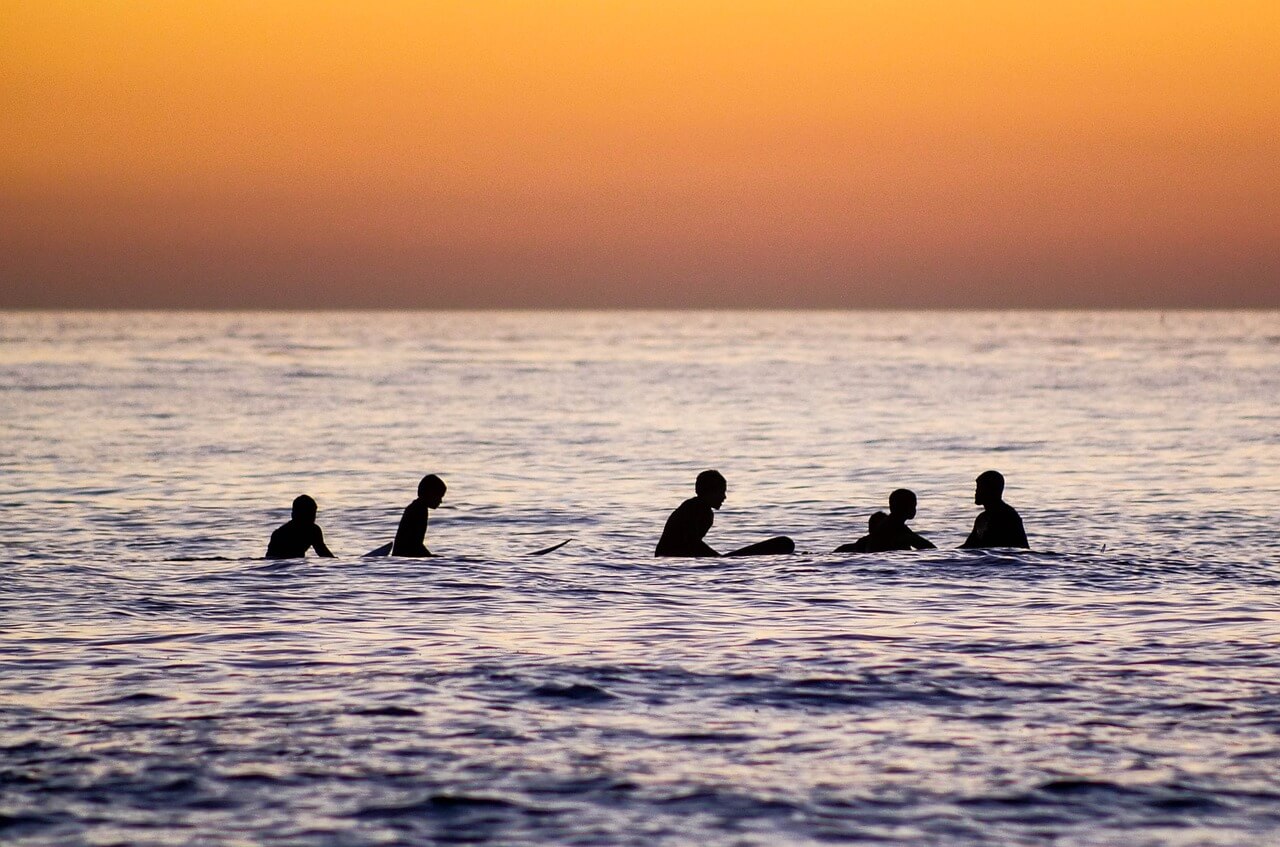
999	525
863	544
892	533
692	519
299	533
412	533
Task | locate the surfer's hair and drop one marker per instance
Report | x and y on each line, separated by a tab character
709	481
431	484
304	507
993	481
901	500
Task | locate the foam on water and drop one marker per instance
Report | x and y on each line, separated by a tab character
161	685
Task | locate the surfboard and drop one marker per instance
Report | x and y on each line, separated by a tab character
385	550
551	549
782	545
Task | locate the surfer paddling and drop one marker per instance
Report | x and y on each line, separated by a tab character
692	519
411	535
301	532
999	525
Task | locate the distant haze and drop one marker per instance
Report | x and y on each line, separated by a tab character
667	153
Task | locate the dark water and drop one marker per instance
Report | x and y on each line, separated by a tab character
153	694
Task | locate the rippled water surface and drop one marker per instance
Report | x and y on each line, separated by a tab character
162	684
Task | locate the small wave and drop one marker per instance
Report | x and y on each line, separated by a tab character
388	711
577	786
708	737
466	801
137	698
434	804
721	800
254	778
1084	786
577	692
16	824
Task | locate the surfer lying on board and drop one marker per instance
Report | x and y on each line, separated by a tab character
411	535
999	525
292	539
689	523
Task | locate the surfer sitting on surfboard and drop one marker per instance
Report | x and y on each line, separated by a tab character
999	525
412	533
293	538
892	533
689	523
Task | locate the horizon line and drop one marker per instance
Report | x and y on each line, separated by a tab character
636	309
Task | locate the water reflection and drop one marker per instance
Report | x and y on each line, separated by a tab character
598	695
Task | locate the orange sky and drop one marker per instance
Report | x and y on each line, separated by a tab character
613	153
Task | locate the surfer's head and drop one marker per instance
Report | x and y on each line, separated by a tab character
304	509
902	504
990	488
432	489
876	519
711	487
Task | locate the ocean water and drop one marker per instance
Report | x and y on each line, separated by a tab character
160	683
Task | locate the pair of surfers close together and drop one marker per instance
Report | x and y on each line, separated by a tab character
999	525
301	532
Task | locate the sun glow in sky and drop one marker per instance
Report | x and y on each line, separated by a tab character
324	153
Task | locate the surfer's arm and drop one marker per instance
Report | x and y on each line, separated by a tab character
919	542
698	529
859	546
317	541
695	531
690	544
1020	537
1012	532
685	529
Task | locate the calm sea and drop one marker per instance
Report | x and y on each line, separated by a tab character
162	684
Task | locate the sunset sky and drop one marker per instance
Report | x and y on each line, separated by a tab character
894	153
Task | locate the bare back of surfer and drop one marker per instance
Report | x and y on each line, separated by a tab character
411	535
299	533
688	525
999	525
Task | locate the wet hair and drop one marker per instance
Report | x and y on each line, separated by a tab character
992	481
877	518
903	499
709	481
304	508
431	484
